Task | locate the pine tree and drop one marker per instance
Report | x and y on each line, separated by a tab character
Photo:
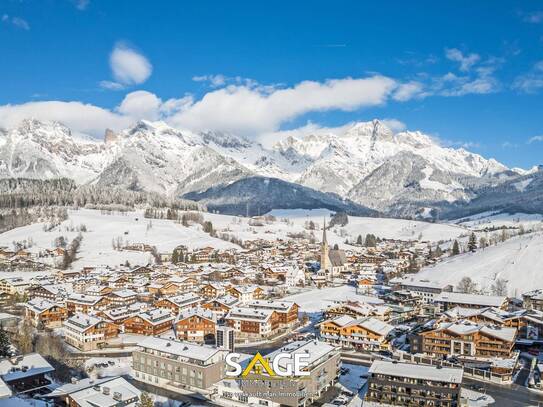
359	240
145	400
472	243
4	343
371	241
455	248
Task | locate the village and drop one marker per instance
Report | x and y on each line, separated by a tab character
377	333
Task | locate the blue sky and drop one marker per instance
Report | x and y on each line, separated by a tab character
468	73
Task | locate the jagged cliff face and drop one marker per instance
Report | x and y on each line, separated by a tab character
401	174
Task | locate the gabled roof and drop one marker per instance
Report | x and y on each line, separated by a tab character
198	312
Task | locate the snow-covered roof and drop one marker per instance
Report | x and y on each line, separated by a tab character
184	299
277	305
39	305
23	366
156	316
82	322
84	298
466	327
124	293
316	350
107	392
247	313
182	349
471	299
424	372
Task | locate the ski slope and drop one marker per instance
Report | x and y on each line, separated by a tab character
518	260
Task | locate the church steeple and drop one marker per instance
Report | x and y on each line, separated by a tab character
325	251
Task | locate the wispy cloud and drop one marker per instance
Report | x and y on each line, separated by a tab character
465	61
81	4
535	139
16	22
533	17
476	76
409	90
530	82
214	80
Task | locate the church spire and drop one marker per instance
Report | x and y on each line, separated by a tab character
324	231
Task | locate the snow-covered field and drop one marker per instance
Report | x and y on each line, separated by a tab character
380	227
317	300
517	260
96	247
102	229
493	219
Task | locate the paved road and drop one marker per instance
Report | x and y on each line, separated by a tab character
508	396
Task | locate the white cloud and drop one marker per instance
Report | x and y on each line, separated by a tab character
80	117
407	91
535	139
146	105
394	124
141	105
255	110
466	61
128	66
16	21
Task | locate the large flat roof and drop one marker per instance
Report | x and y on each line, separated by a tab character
424	372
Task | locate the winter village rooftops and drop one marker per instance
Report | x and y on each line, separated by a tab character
227	300
277	305
440	374
183	299
82	322
421	283
371	324
184	350
156	316
250	314
196	312
19	367
84	298
471	299
124	293
467	327
316	350
39	305
106	392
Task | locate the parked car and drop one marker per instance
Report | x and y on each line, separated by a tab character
477	387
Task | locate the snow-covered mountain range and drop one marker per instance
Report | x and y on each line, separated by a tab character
401	174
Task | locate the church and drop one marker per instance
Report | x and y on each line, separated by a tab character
333	261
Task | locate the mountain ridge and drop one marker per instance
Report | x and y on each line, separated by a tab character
400	174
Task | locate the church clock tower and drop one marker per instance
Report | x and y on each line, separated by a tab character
325	251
